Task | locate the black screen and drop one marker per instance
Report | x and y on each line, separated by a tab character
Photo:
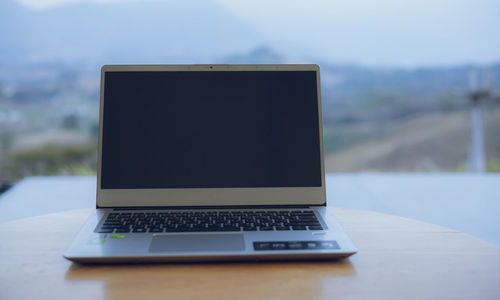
210	129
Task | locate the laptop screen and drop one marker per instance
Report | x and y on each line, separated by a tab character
210	129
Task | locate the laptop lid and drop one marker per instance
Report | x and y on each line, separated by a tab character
210	135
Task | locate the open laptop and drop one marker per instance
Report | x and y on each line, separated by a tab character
210	162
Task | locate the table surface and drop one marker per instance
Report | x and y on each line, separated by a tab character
398	258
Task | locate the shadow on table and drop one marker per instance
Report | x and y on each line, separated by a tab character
298	279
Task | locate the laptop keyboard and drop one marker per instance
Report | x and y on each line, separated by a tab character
202	221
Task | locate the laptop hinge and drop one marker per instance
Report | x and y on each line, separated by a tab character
208	207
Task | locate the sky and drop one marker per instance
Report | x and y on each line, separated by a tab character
378	33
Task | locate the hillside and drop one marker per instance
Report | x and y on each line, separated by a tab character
435	142
374	119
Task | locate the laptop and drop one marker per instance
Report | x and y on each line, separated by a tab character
210	163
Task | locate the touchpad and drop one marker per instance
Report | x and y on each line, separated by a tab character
197	242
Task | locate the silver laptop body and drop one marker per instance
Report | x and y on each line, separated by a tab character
210	162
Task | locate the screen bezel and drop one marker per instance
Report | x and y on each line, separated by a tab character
209	196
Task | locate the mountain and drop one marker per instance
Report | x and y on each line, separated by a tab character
190	31
259	55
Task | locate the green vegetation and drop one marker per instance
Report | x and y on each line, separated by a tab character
493	166
50	160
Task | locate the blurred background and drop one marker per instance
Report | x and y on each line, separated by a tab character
407	86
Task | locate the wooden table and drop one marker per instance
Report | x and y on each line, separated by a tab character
398	258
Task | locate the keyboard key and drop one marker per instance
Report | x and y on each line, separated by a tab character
249	228
315	228
172	229
266	228
281	228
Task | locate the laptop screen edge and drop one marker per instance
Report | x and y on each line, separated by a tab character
210	196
